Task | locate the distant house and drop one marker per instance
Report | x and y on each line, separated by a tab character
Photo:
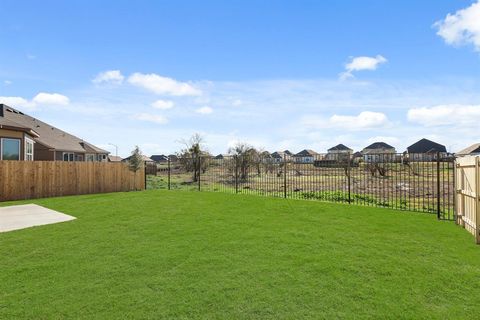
379	152
473	150
219	158
173	158
339	152
305	156
426	150
265	157
114	159
159	158
23	137
144	158
280	156
357	157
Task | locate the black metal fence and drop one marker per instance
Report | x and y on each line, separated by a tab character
381	180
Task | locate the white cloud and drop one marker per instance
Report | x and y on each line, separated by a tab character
462	27
457	115
151	118
237	102
31	56
110	76
204	110
361	63
365	120
16	102
7	82
163	85
163	104
50	99
46	99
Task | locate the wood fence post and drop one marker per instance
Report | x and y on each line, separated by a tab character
477	200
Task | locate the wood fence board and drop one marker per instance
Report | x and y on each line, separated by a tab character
467	180
40	179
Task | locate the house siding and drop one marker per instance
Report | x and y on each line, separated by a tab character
338	154
43	153
379	155
426	156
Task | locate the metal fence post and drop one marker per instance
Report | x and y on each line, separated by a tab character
145	173
348	180
199	172
168	172
438	186
236	173
284	175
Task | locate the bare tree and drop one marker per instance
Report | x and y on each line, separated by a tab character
380	167
193	157
245	156
345	161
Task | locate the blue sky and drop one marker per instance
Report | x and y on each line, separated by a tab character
277	74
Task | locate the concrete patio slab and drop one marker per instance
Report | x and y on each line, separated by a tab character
29	215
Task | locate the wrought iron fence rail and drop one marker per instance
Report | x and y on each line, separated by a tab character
379	180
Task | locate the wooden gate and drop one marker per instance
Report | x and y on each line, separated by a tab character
467	186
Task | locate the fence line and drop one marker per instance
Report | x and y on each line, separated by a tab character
380	180
468	194
39	179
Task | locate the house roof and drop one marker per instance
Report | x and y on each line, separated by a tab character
306	153
340	147
379	145
114	158
474	148
173	157
47	135
287	152
144	158
159	157
426	146
266	154
279	154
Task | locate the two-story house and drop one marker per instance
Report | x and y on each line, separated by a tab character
426	150
379	152
339	152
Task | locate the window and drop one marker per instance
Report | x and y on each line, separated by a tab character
10	149
101	157
90	157
28	149
67	156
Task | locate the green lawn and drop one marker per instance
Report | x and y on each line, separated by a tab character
182	255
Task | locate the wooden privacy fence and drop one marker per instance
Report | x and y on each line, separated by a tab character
467	188
41	179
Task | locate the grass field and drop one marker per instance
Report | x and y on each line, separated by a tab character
183	255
